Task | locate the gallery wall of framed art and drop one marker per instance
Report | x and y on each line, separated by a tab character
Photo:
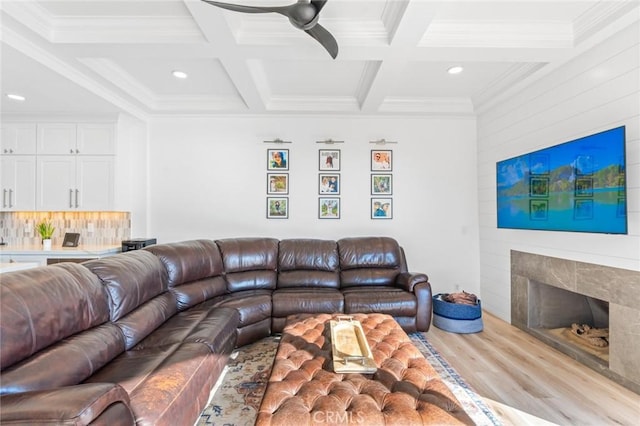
329	183
381	184
277	183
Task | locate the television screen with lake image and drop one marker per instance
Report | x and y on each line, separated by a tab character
576	186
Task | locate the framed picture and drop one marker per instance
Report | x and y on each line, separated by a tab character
381	184
381	208
583	209
277	207
278	183
381	159
584	187
277	159
539	187
329	208
538	209
329	183
329	159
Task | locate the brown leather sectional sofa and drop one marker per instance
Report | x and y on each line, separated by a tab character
142	337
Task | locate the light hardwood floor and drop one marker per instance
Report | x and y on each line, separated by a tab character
528	383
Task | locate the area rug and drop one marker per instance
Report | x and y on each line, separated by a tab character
237	395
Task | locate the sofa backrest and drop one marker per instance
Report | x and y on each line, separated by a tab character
308	263
54	328
370	261
137	284
194	268
249	263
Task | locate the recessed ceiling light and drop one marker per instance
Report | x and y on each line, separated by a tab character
455	70
180	74
16	97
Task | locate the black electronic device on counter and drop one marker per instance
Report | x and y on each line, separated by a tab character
71	239
137	243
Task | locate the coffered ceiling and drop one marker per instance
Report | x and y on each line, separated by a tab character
104	56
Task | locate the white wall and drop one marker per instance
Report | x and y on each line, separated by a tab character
208	180
598	90
131	171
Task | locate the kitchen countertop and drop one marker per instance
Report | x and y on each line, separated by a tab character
80	251
16	266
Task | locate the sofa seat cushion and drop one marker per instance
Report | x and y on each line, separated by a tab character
165	383
94	403
289	301
381	299
252	305
214	327
68	362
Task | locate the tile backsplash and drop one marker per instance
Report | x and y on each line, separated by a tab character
95	228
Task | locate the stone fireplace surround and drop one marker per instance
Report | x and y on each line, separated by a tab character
619	287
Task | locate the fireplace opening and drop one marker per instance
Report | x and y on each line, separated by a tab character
575	321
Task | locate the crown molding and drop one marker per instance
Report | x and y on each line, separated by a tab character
515	74
110	29
199	103
265	30
163	29
369	74
439	106
120	78
117	76
316	103
30	14
392	16
39	54
602	14
529	34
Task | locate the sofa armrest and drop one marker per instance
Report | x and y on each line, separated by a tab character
80	404
408	280
425	306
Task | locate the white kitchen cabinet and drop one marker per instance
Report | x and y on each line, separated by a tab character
56	139
18	182
69	182
75	139
18	139
96	139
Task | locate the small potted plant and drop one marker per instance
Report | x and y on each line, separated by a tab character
45	229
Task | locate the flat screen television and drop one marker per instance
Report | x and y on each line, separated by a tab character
577	186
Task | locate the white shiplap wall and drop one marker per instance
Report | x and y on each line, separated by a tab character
598	90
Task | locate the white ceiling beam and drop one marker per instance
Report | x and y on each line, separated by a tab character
407	33
216	29
58	65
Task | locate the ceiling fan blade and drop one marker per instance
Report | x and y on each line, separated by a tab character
318	4
246	9
325	38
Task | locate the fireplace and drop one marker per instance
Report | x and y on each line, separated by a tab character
549	294
562	316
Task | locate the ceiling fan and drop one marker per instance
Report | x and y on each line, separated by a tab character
303	15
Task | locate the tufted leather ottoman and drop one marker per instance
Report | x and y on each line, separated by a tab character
304	390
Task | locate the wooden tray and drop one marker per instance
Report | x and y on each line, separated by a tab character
351	352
